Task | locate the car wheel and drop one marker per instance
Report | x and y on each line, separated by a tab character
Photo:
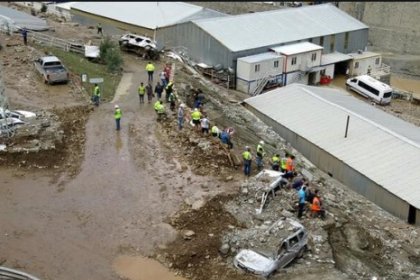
301	251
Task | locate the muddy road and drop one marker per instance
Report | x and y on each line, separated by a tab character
74	228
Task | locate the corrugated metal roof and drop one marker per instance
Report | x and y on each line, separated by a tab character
334	57
250	31
297	48
364	54
146	14
259	57
378	144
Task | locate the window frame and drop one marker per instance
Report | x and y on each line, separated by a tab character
294	60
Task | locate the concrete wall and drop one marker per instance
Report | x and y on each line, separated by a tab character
340	170
394	26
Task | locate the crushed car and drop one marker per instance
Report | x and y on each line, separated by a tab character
265	261
141	45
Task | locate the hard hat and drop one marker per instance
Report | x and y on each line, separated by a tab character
261	142
182	105
116	106
195	109
246	147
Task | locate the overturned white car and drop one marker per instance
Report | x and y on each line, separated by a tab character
263	262
141	45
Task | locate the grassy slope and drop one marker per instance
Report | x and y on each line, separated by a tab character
77	65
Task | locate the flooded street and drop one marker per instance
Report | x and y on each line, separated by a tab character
117	204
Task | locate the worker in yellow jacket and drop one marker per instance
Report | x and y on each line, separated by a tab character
150	68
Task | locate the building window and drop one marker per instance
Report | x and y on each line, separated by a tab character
294	60
310	40
356	65
313	58
276	64
257	68
321	41
332	43
346	40
377	60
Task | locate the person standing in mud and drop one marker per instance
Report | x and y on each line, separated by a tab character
25	35
96	95
150	69
247	157
149	91
141	91
158	90
181	116
117	116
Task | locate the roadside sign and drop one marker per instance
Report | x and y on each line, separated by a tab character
96	80
84	78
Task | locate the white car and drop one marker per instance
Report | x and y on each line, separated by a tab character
261	264
134	40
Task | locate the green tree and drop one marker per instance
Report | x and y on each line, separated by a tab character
110	55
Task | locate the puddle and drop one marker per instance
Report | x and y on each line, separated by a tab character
141	268
406	84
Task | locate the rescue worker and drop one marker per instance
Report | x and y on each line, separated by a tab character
260	155
247	157
149	91
225	137
167	71
99	28
96	95
117	116
275	162
290	164
158	90
283	163
172	100
196	116
141	91
150	68
302	201
316	207
162	77
24	33
168	90
181	115
205	124
161	111
215	131
156	105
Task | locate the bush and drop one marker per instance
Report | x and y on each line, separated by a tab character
109	53
43	8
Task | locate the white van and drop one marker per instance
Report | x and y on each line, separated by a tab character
371	88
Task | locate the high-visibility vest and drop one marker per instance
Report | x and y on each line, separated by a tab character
150	67
289	164
97	91
196	115
215	129
276	160
260	150
316	205
156	105
141	90
117	113
246	155
283	163
161	109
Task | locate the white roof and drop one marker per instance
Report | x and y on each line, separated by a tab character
376	140
255	30
259	57
146	14
297	48
66	5
363	55
334	57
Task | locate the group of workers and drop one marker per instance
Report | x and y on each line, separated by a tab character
290	178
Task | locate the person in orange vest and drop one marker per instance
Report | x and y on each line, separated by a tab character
290	164
316	208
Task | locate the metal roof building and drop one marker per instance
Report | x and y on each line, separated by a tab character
141	17
221	40
379	158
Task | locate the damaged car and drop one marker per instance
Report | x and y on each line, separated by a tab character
265	263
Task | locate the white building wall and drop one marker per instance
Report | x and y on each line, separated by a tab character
246	71
363	65
303	61
329	70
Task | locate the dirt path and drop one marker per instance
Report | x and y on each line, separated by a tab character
115	206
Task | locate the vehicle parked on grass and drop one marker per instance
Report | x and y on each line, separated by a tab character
52	70
370	88
265	263
141	45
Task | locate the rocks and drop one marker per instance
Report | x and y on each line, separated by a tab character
224	249
198	204
229	178
188	234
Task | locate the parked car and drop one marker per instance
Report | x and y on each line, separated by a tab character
370	88
263	264
52	70
8	273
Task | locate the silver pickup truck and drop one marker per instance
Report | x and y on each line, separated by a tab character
52	70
